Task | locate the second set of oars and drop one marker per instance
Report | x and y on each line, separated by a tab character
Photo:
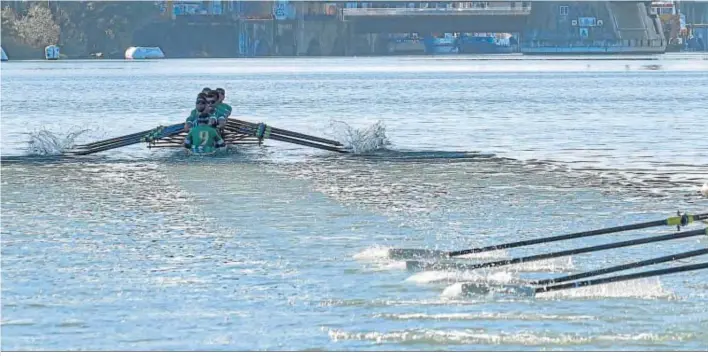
263	131
565	282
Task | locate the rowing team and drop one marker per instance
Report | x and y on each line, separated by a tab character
206	122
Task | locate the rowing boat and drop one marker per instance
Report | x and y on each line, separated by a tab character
235	133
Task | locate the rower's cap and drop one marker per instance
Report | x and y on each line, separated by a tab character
206	90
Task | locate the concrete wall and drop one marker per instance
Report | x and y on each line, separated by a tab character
180	39
321	38
627	27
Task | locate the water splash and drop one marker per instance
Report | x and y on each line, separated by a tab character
45	143
360	141
373	253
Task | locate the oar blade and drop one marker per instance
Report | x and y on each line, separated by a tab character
415	266
467	289
415	253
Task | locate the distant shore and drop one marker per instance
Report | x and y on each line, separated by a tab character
455	57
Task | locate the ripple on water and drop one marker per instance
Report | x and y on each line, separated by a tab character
481	336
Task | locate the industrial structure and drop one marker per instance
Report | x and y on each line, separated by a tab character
299	28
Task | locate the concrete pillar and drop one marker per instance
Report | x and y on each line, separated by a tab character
349	39
300	46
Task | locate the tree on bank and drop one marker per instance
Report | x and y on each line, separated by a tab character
79	28
37	28
25	34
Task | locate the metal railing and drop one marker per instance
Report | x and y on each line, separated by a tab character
436	11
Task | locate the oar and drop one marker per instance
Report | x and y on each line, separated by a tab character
417	265
480	288
410	253
131	140
305	143
112	140
167	130
292	133
623	267
107	147
278	137
625	277
284	133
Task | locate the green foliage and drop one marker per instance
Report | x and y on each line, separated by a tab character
37	29
80	28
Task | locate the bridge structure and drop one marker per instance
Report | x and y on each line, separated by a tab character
425	20
312	28
547	27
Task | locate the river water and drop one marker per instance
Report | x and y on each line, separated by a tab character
283	247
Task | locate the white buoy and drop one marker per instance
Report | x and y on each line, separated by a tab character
144	53
704	189
3	56
51	52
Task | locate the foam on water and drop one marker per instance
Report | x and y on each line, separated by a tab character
453	291
427	277
498	254
561	264
649	288
388	266
484	316
373	253
482	336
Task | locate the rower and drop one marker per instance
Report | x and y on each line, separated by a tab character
203	138
217	112
222	96
194	114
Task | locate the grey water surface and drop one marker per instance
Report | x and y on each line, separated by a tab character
282	247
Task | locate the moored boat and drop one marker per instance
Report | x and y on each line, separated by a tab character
445	44
487	43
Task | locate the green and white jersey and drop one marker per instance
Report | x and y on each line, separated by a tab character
203	138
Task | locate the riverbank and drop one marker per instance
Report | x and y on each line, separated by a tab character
34	55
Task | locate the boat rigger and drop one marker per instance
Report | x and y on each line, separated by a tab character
235	132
